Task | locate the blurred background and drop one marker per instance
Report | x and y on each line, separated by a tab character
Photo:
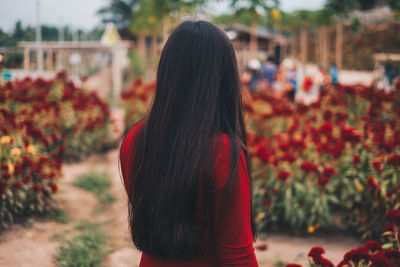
322	106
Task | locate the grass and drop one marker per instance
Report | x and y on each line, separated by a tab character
97	183
88	248
59	216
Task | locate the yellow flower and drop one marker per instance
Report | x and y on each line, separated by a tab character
10	168
260	216
311	229
31	149
15	152
360	188
5	140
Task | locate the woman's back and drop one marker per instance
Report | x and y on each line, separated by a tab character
185	165
234	237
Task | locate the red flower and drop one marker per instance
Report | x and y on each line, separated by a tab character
357	255
27	179
289	157
293	265
372	184
16	185
327	115
326	129
308	167
54	187
373	246
387	228
377	165
394	160
261	247
2	188
328	171
393	216
315	253
322	182
356	160
37	188
262	154
392	254
283	175
380	260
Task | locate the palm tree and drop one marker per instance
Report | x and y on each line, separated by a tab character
253	9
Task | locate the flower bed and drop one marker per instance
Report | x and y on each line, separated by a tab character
42	124
340	156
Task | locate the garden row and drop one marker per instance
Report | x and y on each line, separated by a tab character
44	123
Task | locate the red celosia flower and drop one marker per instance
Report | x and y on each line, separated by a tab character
328	171
261	247
263	154
372	184
387	228
326	129
316	251
393	216
392	254
380	260
54	188
373	246
357	255
37	188
316	254
394	160
356	159
16	185
283	175
327	115
289	157
322	182
293	265
337	150
377	165
308	167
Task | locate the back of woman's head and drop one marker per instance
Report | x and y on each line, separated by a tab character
197	99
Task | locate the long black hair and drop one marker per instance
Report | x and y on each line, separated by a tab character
198	97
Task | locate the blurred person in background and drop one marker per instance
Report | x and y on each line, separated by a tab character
268	70
251	76
334	73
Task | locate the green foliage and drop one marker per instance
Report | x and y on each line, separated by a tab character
97	183
59	216
85	249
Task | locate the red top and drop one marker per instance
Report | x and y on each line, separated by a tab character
234	239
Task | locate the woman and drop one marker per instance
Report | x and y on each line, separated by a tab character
185	165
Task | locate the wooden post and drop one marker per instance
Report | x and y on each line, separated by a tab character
166	25
26	58
339	44
325	48
253	40
303	45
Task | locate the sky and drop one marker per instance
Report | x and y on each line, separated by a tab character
82	13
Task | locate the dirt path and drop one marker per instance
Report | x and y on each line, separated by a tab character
35	246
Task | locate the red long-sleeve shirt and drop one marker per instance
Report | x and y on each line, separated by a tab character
234	239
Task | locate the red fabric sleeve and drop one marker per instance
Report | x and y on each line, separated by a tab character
128	153
234	236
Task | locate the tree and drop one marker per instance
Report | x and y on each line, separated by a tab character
119	12
253	10
341	8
